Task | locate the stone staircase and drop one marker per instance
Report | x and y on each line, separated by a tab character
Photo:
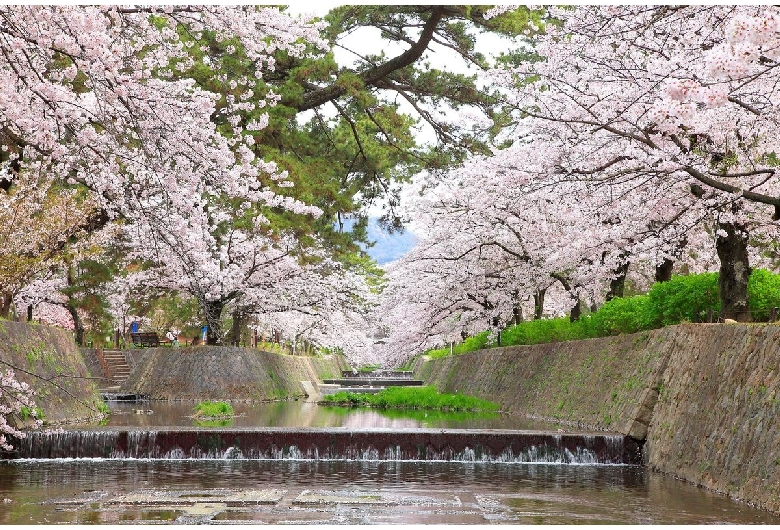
119	370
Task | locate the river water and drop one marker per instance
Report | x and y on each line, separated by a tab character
346	492
306	414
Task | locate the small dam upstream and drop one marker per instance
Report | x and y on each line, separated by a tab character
269	443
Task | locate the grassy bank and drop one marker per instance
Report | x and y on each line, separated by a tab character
415	398
690	298
214	410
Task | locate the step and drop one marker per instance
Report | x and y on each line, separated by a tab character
372	382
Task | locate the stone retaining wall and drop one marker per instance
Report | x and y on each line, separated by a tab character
705	397
48	360
224	372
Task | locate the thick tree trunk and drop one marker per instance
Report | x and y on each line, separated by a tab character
734	272
663	272
213	312
618	285
235	330
539	303
576	312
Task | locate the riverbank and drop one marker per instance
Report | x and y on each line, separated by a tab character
225	373
65	389
704	398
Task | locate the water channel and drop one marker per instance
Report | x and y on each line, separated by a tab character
115	491
308	414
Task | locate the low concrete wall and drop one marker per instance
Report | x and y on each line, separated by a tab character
224	372
596	384
705	397
48	360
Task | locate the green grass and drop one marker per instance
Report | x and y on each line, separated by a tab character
417	398
214	410
688	298
27	413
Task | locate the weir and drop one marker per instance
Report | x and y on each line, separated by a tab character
334	444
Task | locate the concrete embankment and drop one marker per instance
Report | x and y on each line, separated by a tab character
225	372
48	360
705	398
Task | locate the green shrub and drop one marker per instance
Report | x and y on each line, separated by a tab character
763	294
214	409
619	315
425	397
540	331
477	342
683	299
687	298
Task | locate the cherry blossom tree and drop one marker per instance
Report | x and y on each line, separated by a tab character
17	405
85	99
39	221
88	97
597	178
667	101
329	305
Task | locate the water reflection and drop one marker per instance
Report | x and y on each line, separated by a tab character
421	492
153	414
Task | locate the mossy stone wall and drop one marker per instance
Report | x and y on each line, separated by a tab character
224	372
596	383
48	360
705	397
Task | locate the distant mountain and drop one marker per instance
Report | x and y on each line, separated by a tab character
388	247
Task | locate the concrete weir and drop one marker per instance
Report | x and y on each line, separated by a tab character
335	444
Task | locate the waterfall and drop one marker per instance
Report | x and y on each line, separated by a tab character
334	444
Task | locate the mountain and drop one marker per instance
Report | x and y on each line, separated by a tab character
388	247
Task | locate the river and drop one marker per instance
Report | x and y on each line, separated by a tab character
111	491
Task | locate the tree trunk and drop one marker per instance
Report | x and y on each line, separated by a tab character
539	303
663	272
78	325
70	305
6	299
618	285
734	272
576	312
517	314
235	330
213	312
